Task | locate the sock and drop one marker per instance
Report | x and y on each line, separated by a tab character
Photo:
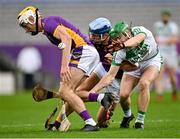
127	113
87	118
140	117
100	97
90	122
95	97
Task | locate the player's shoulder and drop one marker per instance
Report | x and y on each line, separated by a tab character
50	23
158	23
173	24
138	27
50	20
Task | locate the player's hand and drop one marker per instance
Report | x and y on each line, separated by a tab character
65	74
116	45
108	58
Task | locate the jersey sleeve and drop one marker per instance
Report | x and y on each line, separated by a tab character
118	57
50	25
139	29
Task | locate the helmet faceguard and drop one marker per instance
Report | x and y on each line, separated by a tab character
120	28
24	15
97	30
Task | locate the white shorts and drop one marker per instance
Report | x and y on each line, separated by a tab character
115	84
156	61
85	58
170	56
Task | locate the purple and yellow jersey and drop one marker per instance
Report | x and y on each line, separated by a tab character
51	25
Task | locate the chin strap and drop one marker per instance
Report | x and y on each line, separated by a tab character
36	32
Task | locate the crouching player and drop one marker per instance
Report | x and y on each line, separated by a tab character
137	45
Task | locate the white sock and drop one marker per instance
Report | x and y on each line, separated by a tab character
127	113
90	121
100	97
140	118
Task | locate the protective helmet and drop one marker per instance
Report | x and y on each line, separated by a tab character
24	15
100	26
119	28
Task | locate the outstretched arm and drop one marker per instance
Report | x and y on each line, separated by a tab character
107	79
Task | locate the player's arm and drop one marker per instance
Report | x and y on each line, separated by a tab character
132	42
135	41
107	79
173	39
60	33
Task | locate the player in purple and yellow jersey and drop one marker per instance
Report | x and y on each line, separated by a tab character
79	57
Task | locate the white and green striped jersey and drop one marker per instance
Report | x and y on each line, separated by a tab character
145	50
165	31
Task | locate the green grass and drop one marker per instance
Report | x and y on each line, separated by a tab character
21	117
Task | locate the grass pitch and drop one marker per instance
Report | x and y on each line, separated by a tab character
21	117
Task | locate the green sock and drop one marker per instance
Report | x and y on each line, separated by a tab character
140	117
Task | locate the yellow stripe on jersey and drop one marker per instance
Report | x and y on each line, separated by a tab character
74	62
79	41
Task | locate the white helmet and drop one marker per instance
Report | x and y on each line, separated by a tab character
27	12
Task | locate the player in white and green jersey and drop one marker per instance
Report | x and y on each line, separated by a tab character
136	45
166	34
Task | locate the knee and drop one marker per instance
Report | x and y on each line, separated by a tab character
63	91
78	90
144	85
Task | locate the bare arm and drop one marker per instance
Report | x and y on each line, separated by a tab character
60	33
132	42
135	41
107	79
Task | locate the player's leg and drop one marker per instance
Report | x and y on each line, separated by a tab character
172	76
83	62
67	94
83	89
128	83
148	76
102	119
62	123
159	84
89	83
